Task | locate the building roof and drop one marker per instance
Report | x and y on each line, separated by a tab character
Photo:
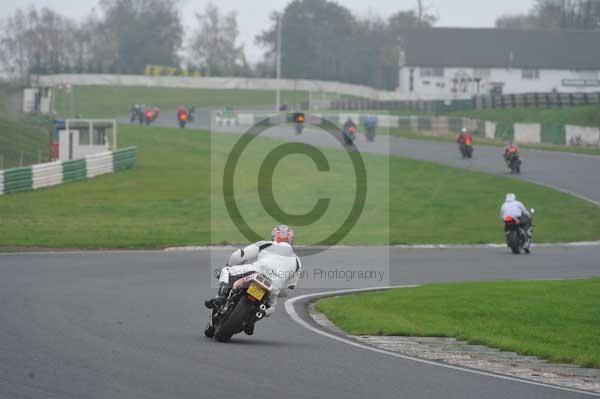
488	48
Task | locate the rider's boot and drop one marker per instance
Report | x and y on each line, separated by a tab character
219	300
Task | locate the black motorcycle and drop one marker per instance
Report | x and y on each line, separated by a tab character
514	163
370	133
515	235
298	128
466	150
246	303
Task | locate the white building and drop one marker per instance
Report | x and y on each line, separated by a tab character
461	63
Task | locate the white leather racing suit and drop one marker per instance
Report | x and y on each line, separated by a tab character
514	209
278	261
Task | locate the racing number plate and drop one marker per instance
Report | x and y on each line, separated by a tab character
256	291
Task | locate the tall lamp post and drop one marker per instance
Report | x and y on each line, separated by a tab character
278	96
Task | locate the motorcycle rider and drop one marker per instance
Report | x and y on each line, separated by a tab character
276	259
349	124
370	124
349	131
515	209
510	151
464	139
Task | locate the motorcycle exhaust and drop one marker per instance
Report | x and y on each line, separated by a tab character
259	315
263	307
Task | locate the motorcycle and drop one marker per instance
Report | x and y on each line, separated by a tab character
150	115
191	112
298	128
466	150
370	133
246	304
183	119
370	124
349	135
516	236
514	163
135	113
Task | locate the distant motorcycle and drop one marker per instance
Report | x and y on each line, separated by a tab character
349	135
135	113
515	235
298	128
183	118
514	163
246	304
191	112
370	125
150	115
466	150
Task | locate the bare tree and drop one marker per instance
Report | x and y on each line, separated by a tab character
214	44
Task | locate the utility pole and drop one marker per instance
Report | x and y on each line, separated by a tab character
278	98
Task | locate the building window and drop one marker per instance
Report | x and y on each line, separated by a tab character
432	72
530	74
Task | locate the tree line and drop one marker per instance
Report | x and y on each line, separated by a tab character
321	39
556	14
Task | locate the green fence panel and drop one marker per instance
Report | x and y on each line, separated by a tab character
455	124
505	131
404	124
124	159
424	123
18	179
553	133
74	170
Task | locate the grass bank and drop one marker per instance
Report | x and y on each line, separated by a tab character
582	115
167	200
479	140
23	141
103	102
556	320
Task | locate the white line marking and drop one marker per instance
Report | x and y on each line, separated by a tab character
335	247
289	308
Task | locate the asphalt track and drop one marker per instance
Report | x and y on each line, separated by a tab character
129	324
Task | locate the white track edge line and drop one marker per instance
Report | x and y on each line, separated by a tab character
291	311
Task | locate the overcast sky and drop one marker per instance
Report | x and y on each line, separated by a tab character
253	15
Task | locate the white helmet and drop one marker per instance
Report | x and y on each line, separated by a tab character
510	197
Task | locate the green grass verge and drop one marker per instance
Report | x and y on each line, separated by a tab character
166	200
23	141
102	102
582	115
556	320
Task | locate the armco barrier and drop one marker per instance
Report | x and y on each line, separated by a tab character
18	179
518	132
54	173
124	159
47	174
